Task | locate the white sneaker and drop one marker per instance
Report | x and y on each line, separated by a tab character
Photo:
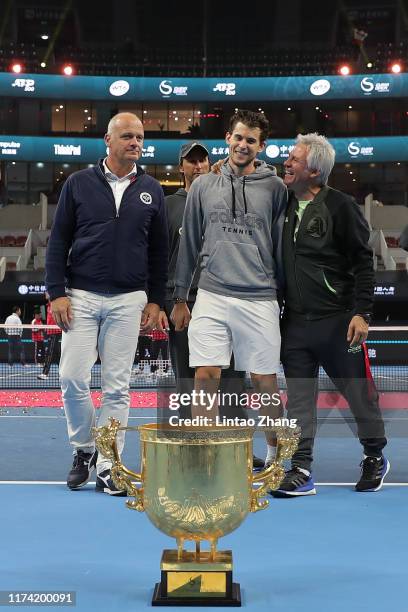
42	376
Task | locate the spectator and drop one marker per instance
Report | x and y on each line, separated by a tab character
37	336
144	348
14	333
160	344
53	342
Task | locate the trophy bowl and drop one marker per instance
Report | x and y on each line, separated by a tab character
196	484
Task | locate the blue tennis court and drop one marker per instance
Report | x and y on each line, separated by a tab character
338	550
334	551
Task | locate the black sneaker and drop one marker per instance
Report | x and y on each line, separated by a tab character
82	468
373	472
295	484
105	484
257	463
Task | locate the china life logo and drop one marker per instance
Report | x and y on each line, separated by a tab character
166	89
355	149
368	86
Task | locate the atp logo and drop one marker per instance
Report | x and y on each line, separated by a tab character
227	88
25	84
146	198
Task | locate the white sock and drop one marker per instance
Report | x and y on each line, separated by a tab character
372	457
306	472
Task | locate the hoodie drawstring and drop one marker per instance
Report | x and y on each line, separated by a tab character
243	194
234	212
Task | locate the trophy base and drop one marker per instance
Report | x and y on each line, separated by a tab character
233	601
196	580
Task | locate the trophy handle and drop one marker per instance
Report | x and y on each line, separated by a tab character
106	443
287	442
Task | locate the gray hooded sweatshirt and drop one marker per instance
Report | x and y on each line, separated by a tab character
233	226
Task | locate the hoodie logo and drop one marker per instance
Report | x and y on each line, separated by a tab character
146	197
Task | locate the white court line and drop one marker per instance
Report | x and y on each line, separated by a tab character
63	482
351	484
24	370
60	416
390	328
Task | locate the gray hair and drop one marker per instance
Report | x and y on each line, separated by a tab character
320	155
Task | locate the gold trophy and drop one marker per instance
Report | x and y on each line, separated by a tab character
196	484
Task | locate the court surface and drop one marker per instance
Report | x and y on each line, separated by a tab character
338	550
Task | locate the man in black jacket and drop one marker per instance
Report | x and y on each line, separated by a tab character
193	162
109	247
328	305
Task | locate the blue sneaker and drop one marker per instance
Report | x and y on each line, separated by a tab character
295	484
373	472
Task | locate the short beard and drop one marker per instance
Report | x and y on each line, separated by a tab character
244	164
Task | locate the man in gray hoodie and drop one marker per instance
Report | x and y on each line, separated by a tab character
233	226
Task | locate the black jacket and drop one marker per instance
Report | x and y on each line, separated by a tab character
96	248
329	268
175	205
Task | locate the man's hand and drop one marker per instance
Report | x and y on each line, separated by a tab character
62	312
180	315
357	331
163	323
150	317
216	167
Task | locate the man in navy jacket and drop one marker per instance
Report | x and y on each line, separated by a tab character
106	272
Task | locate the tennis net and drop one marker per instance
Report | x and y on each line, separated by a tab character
29	358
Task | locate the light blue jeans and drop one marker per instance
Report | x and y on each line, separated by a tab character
107	325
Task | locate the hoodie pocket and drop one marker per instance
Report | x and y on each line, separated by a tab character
237	264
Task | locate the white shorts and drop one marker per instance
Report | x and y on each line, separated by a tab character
221	325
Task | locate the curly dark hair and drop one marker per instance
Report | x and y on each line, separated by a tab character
251	119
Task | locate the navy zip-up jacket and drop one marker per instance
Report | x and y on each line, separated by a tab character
95	248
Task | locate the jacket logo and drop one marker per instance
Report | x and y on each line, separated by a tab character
146	197
316	227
